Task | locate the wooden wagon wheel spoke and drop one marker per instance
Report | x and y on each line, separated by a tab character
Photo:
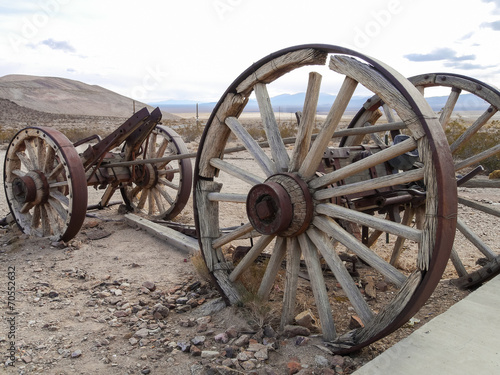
306	125
235	171
160	190
45	184
315	154
267	166
278	150
301	212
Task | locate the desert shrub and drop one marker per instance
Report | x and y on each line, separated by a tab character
486	138
6	134
190	132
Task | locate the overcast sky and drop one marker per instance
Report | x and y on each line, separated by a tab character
155	50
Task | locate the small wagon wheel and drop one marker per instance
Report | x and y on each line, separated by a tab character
45	184
287	203
488	258
160	190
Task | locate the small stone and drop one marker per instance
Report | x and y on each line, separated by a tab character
184	346
338	360
26	359
244	356
181	300
254	346
242	340
248	365
121	313
197	340
133	341
118	292
382	286
149	285
307	319
183	308
261	355
143	332
145	371
221	338
53	294
269	331
229	352
76	354
209	354
301	340
292	331
232	332
321	361
293	367
195	351
355	322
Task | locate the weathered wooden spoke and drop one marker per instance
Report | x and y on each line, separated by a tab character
160	190
45	184
314	209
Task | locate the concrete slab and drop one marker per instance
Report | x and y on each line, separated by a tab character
463	340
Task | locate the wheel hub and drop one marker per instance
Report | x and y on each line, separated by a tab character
31	188
281	205
146	175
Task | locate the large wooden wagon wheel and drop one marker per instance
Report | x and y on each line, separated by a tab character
291	209
159	190
45	184
487	257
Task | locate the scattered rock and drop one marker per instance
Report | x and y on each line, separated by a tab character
221	338
293	366
321	361
209	354
292	331
195	351
149	285
142	333
76	354
307	319
242	340
355	322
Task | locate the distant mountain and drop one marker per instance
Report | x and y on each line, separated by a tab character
290	103
65	96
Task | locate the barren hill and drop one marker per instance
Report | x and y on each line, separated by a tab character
69	97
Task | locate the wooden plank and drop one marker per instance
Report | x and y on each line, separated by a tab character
278	150
273	268
227	197
291	280
482	183
339	212
479	206
473	129
306	123
281	65
176	239
376	183
236	171
377	158
333	229
265	164
315	153
475	240
319	287
324	245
